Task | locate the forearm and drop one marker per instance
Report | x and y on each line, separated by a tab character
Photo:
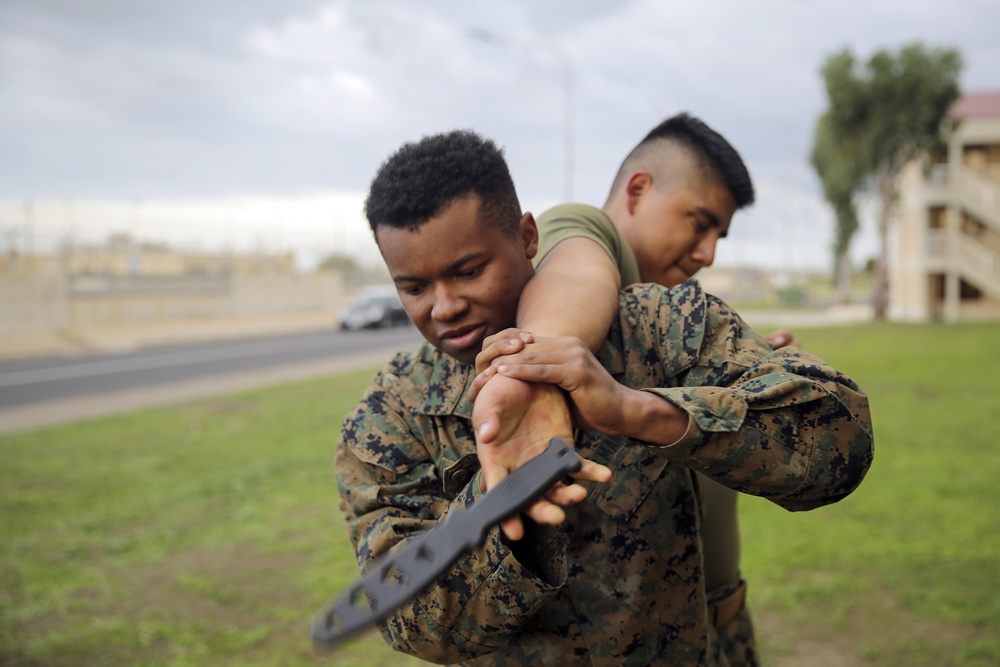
574	292
791	430
648	417
782	424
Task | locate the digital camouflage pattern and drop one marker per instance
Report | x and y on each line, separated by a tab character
621	582
734	639
720	533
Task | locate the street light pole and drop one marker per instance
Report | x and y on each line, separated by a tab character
566	58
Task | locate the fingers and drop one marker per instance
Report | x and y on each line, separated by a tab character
544	373
508	341
513	528
509	333
547	356
546	513
781	338
491	475
548	510
565	495
551	352
592	472
494	347
543	511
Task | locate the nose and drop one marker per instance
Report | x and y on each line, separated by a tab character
448	304
704	250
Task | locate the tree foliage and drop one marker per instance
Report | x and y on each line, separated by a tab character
881	114
338	262
836	164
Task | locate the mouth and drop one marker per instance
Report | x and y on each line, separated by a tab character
464	337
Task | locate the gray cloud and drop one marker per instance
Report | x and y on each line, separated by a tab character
124	99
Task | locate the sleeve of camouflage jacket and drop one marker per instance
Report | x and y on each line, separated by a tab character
388	470
781	424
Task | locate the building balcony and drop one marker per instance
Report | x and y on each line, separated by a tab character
970	189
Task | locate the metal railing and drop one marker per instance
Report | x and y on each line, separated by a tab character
973	189
979	262
981	192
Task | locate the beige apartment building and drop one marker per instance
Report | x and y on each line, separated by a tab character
945	258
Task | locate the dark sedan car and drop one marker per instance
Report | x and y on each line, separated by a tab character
375	307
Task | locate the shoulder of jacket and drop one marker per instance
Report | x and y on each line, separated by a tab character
412	367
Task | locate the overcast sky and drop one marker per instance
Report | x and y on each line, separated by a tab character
237	123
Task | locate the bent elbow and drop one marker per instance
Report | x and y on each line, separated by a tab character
836	472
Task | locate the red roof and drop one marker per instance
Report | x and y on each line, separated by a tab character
976	105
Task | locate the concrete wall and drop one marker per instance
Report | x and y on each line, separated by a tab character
31	303
43	303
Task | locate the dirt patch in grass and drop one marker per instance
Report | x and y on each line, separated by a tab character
225	585
880	633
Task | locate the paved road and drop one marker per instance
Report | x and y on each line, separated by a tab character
40	392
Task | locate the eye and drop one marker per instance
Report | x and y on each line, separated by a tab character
473	272
412	290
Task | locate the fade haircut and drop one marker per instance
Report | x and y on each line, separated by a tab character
714	156
421	179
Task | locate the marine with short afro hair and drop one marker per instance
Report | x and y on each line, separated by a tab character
422	178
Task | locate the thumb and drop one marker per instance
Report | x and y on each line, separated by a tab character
480	381
488	429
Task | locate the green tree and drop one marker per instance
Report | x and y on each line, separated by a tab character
838	168
338	262
882	114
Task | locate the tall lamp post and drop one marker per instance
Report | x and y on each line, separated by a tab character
564	56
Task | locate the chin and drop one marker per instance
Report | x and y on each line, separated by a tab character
464	356
682	277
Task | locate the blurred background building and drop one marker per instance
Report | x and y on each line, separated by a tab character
946	257
125	294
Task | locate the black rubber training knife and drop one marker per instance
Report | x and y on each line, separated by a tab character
396	579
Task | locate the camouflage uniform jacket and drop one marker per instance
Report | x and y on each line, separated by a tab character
621	581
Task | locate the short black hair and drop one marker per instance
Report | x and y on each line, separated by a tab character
420	179
707	146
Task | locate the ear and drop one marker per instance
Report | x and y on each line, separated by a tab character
638	185
527	235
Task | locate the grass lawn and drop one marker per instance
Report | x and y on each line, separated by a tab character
208	534
906	570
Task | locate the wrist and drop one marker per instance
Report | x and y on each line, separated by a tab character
553	407
653	419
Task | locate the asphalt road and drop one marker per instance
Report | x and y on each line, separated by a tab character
41	392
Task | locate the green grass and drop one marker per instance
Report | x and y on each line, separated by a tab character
208	534
905	570
201	535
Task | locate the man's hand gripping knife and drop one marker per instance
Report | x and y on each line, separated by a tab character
514	420
399	577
